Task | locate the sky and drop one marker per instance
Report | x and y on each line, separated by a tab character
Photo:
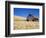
25	11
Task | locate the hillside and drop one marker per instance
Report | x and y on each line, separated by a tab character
19	18
20	23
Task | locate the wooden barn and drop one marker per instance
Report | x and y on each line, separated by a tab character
30	17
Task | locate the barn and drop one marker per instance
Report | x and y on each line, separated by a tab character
30	17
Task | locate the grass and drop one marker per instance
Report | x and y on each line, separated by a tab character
26	25
21	23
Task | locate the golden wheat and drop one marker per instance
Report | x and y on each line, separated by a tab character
19	24
26	25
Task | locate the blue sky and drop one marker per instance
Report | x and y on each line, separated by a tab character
25	11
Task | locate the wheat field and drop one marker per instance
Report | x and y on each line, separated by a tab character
25	24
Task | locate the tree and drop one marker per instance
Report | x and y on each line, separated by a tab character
29	17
